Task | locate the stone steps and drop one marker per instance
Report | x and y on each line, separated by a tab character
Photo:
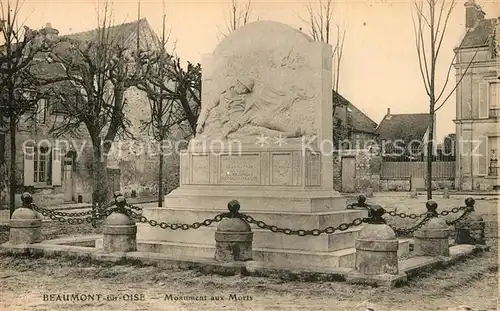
261	238
341	259
257	200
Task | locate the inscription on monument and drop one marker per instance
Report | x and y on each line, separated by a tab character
240	169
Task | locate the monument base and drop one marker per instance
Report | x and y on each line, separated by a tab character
285	209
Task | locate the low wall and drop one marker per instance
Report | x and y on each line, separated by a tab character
404	184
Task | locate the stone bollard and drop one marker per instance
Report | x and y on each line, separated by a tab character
119	231
233	238
446	193
376	252
25	224
432	238
470	230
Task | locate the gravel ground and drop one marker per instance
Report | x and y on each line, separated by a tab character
35	283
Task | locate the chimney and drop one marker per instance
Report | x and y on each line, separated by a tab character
388	111
49	32
473	14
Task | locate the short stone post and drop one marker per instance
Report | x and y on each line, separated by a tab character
233	238
376	253
25	224
432	238
446	193
470	230
119	230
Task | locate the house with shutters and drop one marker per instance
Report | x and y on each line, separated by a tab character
58	170
477	102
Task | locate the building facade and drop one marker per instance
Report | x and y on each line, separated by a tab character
355	166
477	102
59	169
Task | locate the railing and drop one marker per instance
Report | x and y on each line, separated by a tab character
493	170
494	113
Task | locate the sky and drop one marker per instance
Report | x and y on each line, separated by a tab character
379	68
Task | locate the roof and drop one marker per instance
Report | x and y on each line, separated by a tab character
403	126
351	115
118	32
481	35
52	70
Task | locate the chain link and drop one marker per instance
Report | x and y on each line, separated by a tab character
464	214
164	225
406	231
453	210
78	221
137	208
301	232
415	216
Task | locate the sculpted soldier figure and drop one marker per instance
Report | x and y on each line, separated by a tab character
239	109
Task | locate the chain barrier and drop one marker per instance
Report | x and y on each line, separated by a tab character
302	232
72	221
407	231
404	215
164	225
464	214
137	208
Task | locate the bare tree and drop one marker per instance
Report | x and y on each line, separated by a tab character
100	70
167	116
18	96
319	23
430	23
239	15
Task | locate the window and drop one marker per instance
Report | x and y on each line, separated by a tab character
41	162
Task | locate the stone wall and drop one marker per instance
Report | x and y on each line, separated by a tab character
367	169
400	184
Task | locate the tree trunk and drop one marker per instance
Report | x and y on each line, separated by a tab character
160	182
430	152
12	175
3	168
100	186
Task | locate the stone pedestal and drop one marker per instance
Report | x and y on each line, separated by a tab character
470	230
233	238
25	227
446	193
119	234
376	250
376	253
432	239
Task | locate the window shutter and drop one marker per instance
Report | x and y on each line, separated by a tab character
482	153
483	100
29	174
39	110
56	166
